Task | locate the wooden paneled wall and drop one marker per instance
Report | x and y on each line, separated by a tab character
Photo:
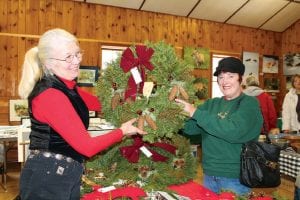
23	21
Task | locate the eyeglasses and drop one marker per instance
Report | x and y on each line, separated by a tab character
71	57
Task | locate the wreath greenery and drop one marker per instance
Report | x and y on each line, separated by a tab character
169	72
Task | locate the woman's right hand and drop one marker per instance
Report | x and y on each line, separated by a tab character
128	128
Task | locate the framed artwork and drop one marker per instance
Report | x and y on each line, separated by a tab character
291	64
270	64
201	88
18	108
199	57
271	84
251	62
88	76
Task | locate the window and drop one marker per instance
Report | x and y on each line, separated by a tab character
110	53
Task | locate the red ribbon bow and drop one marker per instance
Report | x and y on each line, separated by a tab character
128	62
132	153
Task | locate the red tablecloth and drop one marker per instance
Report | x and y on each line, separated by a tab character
132	192
194	191
190	189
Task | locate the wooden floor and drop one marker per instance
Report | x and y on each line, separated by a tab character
286	189
13	175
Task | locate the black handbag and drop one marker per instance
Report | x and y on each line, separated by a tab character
259	165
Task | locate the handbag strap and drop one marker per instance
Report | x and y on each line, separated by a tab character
264	129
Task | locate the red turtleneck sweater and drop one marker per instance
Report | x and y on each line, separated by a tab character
54	108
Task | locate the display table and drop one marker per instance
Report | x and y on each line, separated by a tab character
7	134
289	162
189	191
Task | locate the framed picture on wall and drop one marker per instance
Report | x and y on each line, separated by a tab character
251	62
270	64
88	75
198	57
291	64
201	87
271	84
18	108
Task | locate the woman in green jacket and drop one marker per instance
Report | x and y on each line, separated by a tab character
225	124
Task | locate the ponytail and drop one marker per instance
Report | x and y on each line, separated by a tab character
32	72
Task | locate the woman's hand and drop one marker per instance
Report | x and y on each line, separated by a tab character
187	107
128	129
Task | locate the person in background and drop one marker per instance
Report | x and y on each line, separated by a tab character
265	101
291	107
225	123
59	113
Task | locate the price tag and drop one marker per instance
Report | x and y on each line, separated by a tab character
146	151
147	89
106	189
136	75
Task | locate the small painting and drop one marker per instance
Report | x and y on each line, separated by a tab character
201	88
88	76
291	64
271	84
18	108
251	62
270	64
198	57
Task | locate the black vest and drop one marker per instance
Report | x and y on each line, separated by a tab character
42	136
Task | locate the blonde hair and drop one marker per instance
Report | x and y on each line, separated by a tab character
252	81
293	79
37	59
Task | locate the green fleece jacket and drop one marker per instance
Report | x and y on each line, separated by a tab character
224	126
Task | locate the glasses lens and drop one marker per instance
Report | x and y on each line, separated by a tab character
69	58
78	55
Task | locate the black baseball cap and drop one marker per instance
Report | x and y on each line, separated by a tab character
230	64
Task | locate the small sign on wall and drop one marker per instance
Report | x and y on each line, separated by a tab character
18	108
88	75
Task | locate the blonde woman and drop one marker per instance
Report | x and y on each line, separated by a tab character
291	107
58	109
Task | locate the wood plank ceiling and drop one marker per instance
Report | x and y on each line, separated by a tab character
273	15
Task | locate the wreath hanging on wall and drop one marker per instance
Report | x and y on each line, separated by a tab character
143	83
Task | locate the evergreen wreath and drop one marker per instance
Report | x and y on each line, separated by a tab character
157	114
